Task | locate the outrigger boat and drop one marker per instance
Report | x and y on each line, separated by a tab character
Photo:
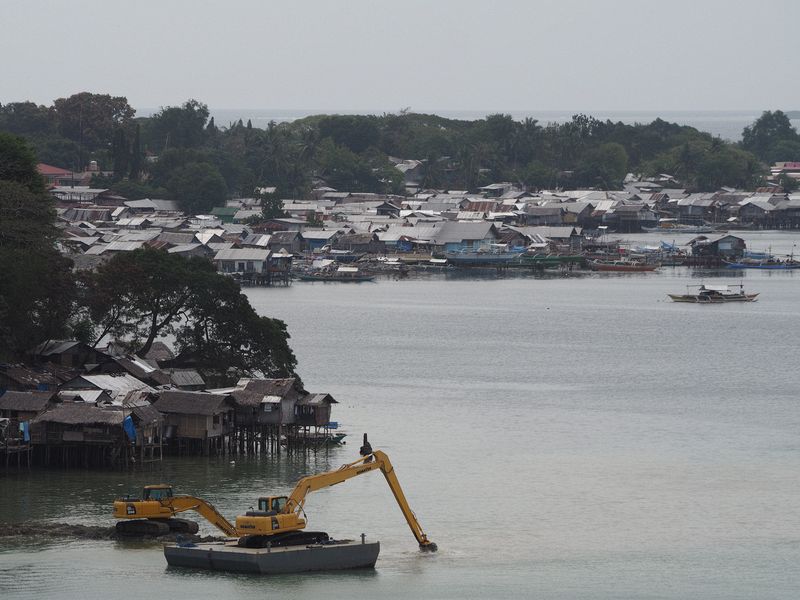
770	263
622	266
342	274
713	294
481	258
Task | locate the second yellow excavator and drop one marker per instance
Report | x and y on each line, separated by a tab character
154	513
277	522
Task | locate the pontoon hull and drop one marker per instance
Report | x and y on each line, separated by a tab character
228	556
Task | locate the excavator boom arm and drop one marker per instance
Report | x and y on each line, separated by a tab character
388	472
371	462
206	510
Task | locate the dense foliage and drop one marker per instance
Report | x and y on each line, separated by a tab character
772	138
36	284
181	153
134	298
138	297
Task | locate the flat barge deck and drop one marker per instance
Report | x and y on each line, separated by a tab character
228	556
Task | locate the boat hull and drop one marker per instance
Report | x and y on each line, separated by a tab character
703	299
770	266
228	556
479	259
620	268
337	278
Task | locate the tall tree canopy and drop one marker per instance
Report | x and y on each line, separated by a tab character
37	286
355	152
178	126
772	138
92	119
139	297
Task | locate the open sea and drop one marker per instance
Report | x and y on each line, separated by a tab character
558	437
727	124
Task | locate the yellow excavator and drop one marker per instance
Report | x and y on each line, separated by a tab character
278	520
154	513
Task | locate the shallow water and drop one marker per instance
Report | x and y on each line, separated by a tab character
574	437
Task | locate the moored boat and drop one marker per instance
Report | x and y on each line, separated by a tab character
768	263
622	265
672	226
714	294
342	275
480	259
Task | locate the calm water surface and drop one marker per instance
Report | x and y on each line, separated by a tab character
574	437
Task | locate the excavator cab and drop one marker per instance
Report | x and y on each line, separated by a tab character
274	504
157	492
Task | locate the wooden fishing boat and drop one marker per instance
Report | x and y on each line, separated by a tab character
622	266
480	258
769	263
341	275
713	294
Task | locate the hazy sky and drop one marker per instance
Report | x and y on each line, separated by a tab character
377	55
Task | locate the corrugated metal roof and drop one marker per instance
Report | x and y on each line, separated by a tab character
80	413
317	234
182	248
25	401
316	400
117	385
190	403
254	254
186	377
453	232
55	347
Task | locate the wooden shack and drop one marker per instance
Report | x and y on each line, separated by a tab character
117	385
79	434
270	401
313	410
24	406
22	378
68	353
196	422
148	423
264	407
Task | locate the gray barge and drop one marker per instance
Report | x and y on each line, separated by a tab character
229	556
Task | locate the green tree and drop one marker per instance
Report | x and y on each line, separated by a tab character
789	184
604	167
354	132
18	164
198	187
179	126
271	206
138	297
121	153
226	339
344	169
770	129
136	154
538	175
27	118
37	288
91	119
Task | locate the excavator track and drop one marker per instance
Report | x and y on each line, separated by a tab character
142	527
155	527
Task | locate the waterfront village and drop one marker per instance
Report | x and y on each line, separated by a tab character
73	405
